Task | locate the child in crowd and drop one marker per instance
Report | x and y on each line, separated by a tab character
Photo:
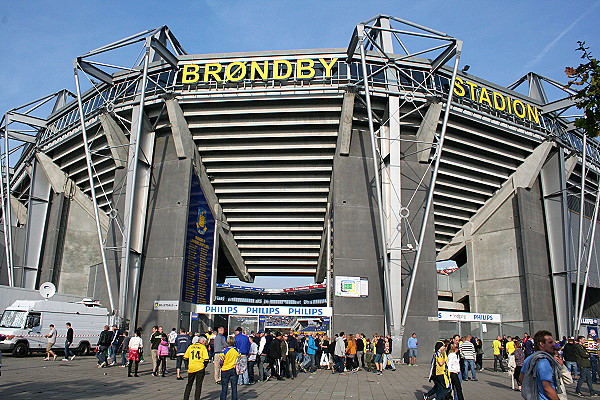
454	369
163	353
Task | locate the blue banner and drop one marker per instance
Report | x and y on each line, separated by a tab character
198	260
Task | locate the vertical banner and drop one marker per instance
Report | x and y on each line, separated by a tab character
198	260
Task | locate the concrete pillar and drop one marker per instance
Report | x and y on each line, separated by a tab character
356	247
165	236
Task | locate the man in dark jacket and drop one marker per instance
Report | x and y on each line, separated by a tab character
583	362
104	342
570	357
68	343
275	356
292	343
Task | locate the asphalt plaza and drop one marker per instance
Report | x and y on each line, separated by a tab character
31	377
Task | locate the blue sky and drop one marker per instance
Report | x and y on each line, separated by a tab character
502	39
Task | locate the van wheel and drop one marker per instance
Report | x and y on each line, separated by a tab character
83	349
20	350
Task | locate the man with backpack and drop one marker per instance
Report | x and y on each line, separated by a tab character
540	372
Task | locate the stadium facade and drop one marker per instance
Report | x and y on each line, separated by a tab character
164	179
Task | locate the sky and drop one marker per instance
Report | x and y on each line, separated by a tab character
503	40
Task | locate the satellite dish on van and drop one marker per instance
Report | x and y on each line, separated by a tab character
47	290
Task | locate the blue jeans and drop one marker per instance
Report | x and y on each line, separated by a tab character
585	375
594	362
67	349
229	376
124	357
469	364
572	367
311	366
339	363
112	352
101	354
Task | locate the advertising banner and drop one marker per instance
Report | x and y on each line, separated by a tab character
468	317
264	310
198	261
351	286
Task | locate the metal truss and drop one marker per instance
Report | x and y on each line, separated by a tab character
20	128
129	221
376	40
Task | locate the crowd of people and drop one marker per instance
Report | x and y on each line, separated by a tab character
243	359
539	367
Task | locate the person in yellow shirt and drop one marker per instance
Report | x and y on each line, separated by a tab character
510	346
438	372
197	356
497	346
510	349
228	373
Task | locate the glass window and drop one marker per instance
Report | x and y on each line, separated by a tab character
13	319
33	320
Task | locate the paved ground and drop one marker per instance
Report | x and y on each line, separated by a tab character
30	378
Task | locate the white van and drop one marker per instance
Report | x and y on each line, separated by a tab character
24	324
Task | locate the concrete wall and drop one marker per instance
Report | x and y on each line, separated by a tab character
165	235
509	271
81	250
534	258
495	278
355	238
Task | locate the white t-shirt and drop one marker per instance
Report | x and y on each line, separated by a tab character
253	352
135	343
454	363
172	337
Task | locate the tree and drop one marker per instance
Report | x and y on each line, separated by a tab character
587	76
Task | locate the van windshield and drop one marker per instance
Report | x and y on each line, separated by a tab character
13	319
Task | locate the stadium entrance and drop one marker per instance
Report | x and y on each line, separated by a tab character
298	309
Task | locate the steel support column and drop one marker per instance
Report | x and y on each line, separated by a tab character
9	267
434	173
580	237
590	247
553	178
131	255
376	169
7	216
88	159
